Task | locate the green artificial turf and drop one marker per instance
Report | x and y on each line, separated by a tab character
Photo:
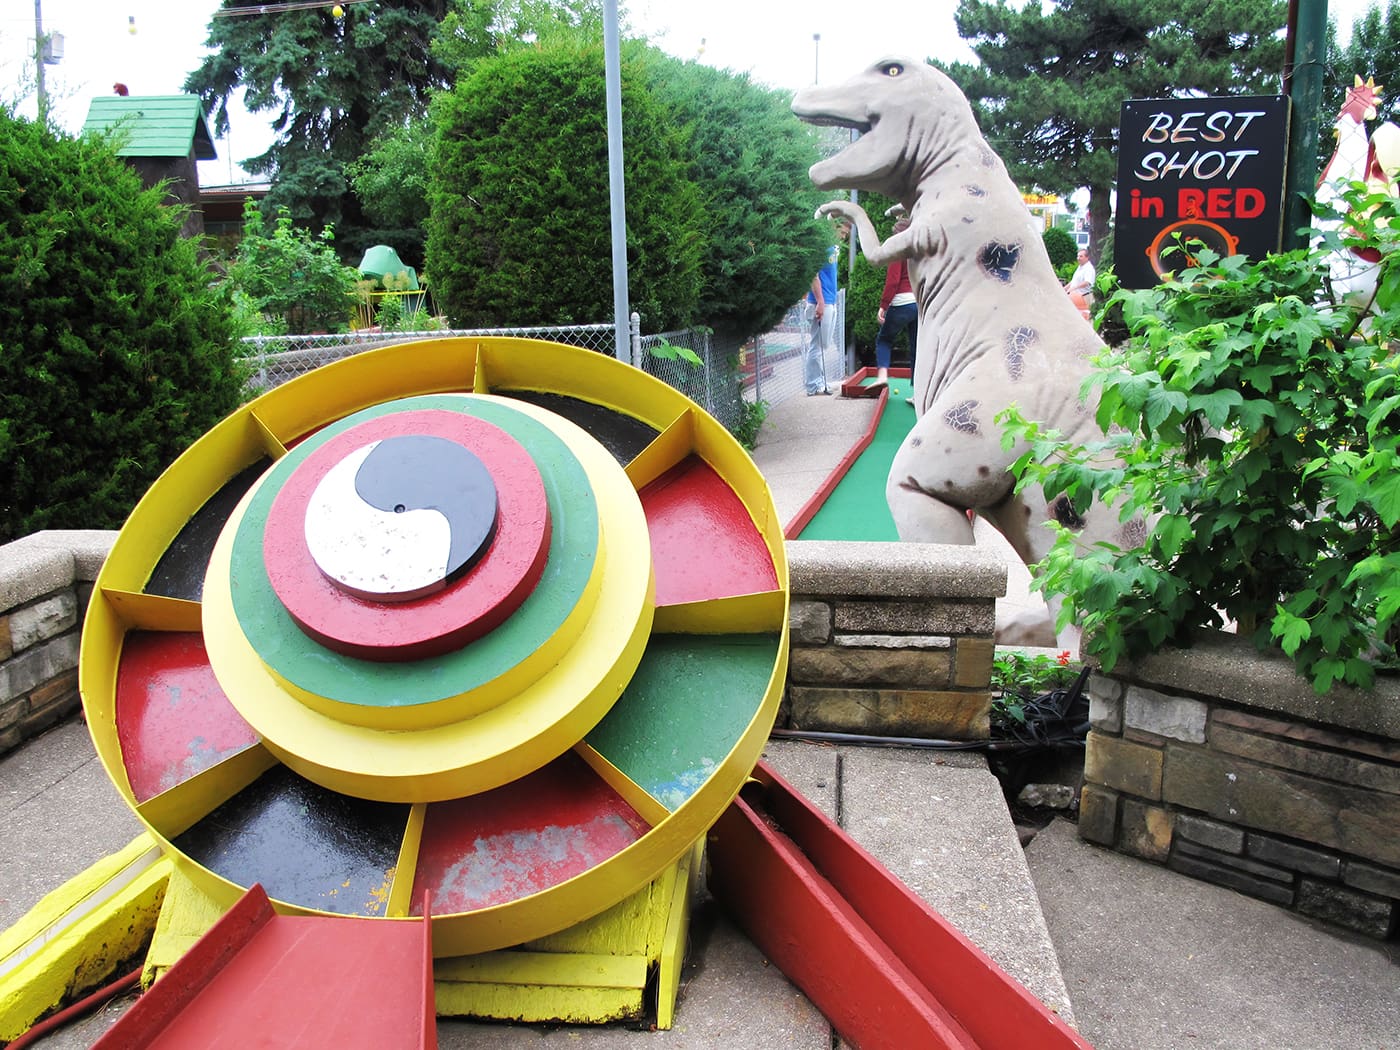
856	508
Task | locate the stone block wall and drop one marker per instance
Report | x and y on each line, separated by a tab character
1223	764
45	583
891	639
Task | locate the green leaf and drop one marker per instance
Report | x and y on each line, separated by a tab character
1290	631
1216	405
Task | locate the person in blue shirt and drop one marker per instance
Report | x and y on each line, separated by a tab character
821	319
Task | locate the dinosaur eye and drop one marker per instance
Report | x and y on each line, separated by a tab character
892	69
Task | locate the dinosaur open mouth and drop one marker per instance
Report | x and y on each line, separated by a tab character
836	120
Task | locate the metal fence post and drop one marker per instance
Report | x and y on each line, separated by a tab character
757	368
635	332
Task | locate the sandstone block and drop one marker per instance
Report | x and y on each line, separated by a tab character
1381	881
42	620
1124	766
972	663
809	622
1098	815
893	641
893	712
894	668
1336	739
1294	857
56	690
1372	916
34	666
1209	833
1305	758
1146	831
1105	710
1335	816
1222	870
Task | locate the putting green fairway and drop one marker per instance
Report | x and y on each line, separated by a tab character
856	508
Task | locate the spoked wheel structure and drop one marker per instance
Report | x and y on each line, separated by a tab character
497	620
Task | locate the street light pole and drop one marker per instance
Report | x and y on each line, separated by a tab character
617	195
816	56
39	61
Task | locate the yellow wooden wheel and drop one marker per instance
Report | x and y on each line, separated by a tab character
498	620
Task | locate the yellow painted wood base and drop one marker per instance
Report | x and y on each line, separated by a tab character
75	938
593	972
185	917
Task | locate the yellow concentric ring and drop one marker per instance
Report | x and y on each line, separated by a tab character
501	743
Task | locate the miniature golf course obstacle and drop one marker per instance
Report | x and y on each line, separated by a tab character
498	622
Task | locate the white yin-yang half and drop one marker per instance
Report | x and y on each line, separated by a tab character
382	555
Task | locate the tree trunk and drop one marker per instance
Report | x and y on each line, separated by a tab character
1099	216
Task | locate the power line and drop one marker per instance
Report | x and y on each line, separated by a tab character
273	9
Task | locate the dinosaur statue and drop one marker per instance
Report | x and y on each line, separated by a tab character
997	324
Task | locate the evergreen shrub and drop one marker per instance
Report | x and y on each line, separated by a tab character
520	230
116	348
1061	247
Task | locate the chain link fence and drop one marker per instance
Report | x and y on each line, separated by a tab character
772	366
274	359
769	368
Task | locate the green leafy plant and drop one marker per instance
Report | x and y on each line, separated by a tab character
292	274
1019	676
751	417
668	351
1253	422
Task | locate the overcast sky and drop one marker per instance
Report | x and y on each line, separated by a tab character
771	39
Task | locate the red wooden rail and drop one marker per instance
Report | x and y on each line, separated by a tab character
885	968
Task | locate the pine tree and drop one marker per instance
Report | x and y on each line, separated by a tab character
1372	51
1051	82
331	85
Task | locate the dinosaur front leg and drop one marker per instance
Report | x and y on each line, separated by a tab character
865	229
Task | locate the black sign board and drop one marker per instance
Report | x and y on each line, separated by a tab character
1209	169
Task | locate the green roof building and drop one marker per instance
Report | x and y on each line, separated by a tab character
161	137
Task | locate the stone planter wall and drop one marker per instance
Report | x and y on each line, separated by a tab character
891	639
45	582
1223	764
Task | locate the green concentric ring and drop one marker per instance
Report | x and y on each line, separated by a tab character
573	549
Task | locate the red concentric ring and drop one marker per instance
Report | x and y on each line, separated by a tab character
437	623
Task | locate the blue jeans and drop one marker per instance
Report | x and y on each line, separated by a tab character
897	319
817	340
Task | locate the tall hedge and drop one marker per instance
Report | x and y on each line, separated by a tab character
748	158
520	231
115	350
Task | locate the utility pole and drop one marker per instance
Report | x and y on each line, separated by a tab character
39	61
1307	42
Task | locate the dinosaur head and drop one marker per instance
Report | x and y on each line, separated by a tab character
900	106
